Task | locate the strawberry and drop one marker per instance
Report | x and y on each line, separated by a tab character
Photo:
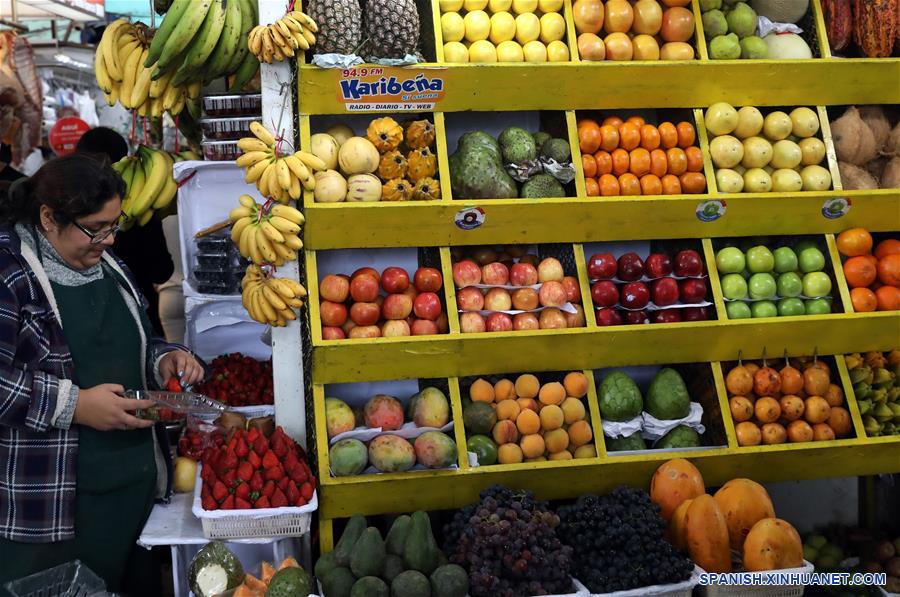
252	435
268	489
279	500
290	460
241	450
209	503
219	491
228	504
276	473
270	460
261	445
245	472
230	460
256	482
292	493
173	385
262	502
230	478
306	490
280	448
254	460
283	483
205	491
298	473
242	491
232	444
242	504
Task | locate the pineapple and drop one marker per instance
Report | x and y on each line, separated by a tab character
340	25
392	28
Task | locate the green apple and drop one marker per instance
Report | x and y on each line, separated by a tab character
763	309
819	306
785	260
730	260
734	286
789	307
811	260
738	310
762	286
760	259
789	284
805	244
816	284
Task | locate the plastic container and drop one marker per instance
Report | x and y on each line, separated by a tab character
220	260
221	151
232	105
72	579
761	590
226	129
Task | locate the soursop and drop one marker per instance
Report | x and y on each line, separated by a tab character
340	25
558	150
518	146
542	186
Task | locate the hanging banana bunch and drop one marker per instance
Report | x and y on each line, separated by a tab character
266	235
283	39
279	176
150	186
270	300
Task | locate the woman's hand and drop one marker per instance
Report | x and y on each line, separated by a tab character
181	365
103	408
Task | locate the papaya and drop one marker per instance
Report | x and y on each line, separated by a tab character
268	571
368	554
772	544
744	503
707	535
352	532
396	537
245	591
672	483
253	583
289	562
421	551
677	530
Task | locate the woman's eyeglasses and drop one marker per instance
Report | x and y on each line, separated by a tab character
102	235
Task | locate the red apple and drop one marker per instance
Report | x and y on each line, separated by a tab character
470	299
499	322
552	294
397	306
394	328
466	273
602	266
525	299
334	288
532	259
605	293
411	292
495	274
635	295
668	316
607	317
423	327
550	270
330	333
688	263
484	255
371	271
350	324
394	280
552	319
526	321
497	299
428	279
575	320
365	331
695	314
636	317
365	313
665	292
573	289
658	265
333	314
523	274
471	323
427	306
692	290
364	288
631	267
443	323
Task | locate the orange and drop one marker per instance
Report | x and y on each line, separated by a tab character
668	135
609	185
677	160
649	137
890	246
671	185
888	298
592	186
587	122
639	159
589	164
610	137
854	241
589	139
864	300
859	272
659	164
889	270
693	182
604	162
629	136
694	159
629	184
613	121
638	120
686	134
620	162
651	185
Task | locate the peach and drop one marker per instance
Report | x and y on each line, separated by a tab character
563	455
508	410
552	294
556	440
527	386
552	393
504	390
580	433
470	299
509	454
528	422
576	384
573	410
481	390
586	451
550	270
495	274
334	288
552	417
528	403
505	432
532	445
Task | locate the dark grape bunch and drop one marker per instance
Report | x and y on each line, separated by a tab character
508	544
619	542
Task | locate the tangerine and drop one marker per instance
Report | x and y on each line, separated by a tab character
671	185
638	120
609	185
888	298
589	164
589	139
592	187
620	162
659	164
613	121
650	139
889	246
677	161
864	300
639	161
610	137
859	272
854	241
686	134
668	135
651	185
629	135
604	162
629	184
587	122
694	159
889	269
693	182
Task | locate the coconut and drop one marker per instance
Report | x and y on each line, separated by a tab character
876	167
854	141
892	146
875	117
890	178
854	178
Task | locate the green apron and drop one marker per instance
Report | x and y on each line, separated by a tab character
116	478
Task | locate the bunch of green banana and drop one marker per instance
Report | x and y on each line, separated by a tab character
281	177
188	155
283	39
270	300
266	235
876	384
202	40
150	186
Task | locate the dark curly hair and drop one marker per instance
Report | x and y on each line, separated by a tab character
73	186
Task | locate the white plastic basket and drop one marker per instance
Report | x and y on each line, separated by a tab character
681	589
762	590
248	524
580	591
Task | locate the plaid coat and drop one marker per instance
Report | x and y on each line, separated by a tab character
38	460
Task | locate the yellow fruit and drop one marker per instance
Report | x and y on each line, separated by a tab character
528	422
573	410
496	6
475	4
456	52
504	390
553	27
527	386
481	390
546	6
552	417
556	440
451	5
482	51
503	28
508	410
185	474
510	51
509	454
552	393
453	27
580	433
478	25
535	51
524	6
532	445
564	455
558	51
576	384
586	451
528	28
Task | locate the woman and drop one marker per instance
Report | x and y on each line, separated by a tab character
78	471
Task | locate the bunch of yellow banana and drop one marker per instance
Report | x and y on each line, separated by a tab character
120	72
283	39
266	236
281	177
150	186
270	300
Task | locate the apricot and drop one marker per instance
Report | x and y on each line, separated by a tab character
748	434
792	407
538	459
580	433
527	386
528	403
791	380
767	410
817	410
532	445
556	440
741	408
528	422
504	389
573	410
509	454
576	384
767	382
552	393
839	421
835	395
586	451
481	391
799	431
507	410
564	455
816	381
773	433
505	432
822	432
739	381
552	417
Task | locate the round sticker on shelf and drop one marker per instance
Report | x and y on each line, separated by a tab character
710	211
470	219
65	134
835	208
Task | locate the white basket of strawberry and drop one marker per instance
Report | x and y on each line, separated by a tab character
255	486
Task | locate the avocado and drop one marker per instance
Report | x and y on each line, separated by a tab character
368	554
396	537
215	569
325	564
338	583
411	584
344	548
621	444
542	186
449	581
479	418
289	582
517	146
421	551
679	437
369	586
557	150
668	397
620	398
393	565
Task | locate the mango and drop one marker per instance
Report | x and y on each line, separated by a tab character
391	454
339	417
348	457
431	409
385	412
435	450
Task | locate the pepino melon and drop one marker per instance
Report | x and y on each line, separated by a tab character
781	11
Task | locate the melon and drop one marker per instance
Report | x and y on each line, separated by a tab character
358	156
781	11
787	46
